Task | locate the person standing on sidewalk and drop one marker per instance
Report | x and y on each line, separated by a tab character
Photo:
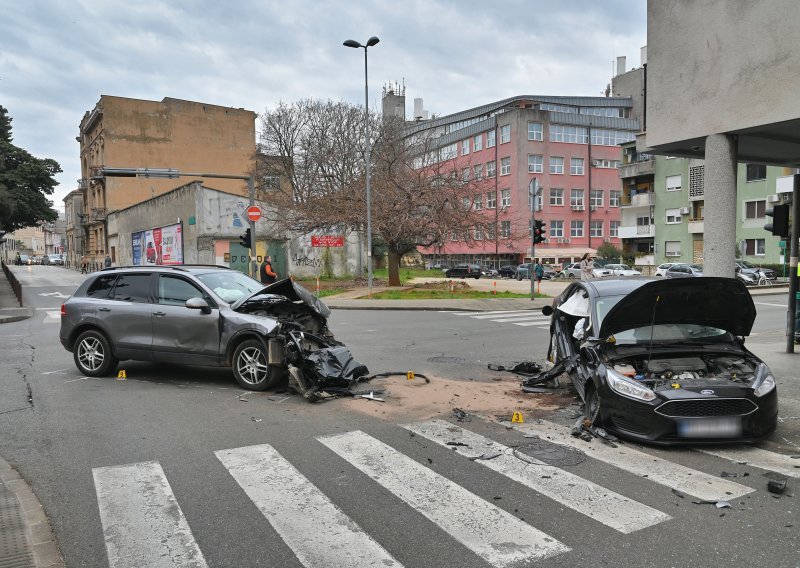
268	276
586	267
538	270
107	261
83	264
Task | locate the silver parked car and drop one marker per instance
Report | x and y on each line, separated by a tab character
202	315
574	271
622	270
684	271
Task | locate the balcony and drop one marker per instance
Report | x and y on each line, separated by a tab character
637	231
695	226
98	213
642	168
638	200
82	183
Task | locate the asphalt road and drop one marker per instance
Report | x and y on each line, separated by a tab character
185	435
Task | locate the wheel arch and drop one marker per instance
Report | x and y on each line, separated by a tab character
240	338
87	326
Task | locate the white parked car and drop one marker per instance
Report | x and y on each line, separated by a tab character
622	270
662	268
574	271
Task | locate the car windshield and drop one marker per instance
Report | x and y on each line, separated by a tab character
230	285
697	267
746	264
623	267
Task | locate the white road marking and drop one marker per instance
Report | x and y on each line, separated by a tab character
664	472
756	457
518	313
473	314
56	294
54	315
142	522
601	504
498	537
316	530
530	323
538	319
53	372
773	305
82	379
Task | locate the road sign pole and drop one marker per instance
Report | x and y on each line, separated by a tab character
252	253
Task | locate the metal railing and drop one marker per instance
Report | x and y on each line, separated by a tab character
15	285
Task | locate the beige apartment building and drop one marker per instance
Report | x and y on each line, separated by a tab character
131	133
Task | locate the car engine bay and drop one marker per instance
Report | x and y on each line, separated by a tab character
701	370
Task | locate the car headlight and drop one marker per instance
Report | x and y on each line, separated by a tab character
764	381
628	387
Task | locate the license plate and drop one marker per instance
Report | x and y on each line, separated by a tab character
710	427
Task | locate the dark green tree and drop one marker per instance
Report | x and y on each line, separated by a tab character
607	251
25	181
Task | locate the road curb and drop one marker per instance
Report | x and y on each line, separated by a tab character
10	315
41	544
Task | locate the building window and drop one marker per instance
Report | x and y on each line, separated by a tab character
477	143
673	216
613	228
556	196
505	133
466	203
448	152
754	247
535	164
454	236
596	198
576	228
491	138
478	234
596	228
576	166
672	249
465	174
604	137
505	166
756	172
490	232
556	165
478	171
576	198
572	134
673	183
490	169
491	200
556	229
505	197
465	147
608	164
534	131
755	209
614	197
505	229
644	222
477	199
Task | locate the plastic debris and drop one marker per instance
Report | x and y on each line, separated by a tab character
776	486
723	505
726	474
254	419
457	444
461	416
678	493
371	396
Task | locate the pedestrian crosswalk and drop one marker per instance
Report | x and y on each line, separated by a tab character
144	525
524	318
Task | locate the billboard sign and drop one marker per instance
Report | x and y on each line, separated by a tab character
158	246
327	241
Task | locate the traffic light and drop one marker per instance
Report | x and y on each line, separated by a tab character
539	232
244	240
780	220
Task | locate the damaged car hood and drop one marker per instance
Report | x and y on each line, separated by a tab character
289	289
723	303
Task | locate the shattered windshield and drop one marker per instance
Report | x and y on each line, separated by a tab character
231	285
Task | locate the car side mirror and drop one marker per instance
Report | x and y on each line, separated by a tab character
198	304
547	310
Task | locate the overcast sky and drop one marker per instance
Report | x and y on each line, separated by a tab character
58	56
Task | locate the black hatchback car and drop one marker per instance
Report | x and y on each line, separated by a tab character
664	361
464	271
194	315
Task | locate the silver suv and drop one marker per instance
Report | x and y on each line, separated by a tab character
196	315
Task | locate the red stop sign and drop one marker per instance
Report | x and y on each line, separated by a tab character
254	212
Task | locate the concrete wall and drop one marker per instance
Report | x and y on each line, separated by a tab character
631	84
702	51
305	260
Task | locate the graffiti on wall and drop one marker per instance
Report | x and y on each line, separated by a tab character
298	260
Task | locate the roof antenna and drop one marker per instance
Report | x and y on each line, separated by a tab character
652	329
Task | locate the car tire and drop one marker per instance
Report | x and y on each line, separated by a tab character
591	406
250	367
571	275
93	354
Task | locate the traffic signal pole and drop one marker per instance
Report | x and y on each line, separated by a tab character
533	189
793	278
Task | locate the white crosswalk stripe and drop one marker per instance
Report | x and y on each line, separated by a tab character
524	318
673	475
325	538
756	457
142	521
581	495
498	537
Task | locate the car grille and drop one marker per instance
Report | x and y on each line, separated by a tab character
707	407
630	427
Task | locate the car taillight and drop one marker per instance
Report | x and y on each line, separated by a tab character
63	310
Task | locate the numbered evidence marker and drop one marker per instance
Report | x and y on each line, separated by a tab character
517	418
122	375
410	375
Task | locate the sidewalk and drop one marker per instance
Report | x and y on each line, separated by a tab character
10	309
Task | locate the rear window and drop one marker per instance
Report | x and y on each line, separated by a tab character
132	288
101	286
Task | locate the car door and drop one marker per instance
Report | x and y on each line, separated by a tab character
181	334
126	315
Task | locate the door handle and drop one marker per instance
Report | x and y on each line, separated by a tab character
104	309
159	314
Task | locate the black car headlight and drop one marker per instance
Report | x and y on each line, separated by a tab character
630	388
764	381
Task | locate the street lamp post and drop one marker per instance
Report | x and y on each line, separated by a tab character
353	43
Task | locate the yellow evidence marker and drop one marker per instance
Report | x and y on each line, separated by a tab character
517	418
410	375
122	374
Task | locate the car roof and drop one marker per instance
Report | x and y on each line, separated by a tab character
614	287
191	268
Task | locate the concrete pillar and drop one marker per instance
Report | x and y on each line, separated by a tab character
719	224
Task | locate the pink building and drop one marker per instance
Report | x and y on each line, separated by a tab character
509	143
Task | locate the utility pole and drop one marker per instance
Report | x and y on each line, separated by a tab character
791	323
251	190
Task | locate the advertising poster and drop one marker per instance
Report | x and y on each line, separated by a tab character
162	245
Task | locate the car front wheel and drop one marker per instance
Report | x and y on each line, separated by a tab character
250	366
93	354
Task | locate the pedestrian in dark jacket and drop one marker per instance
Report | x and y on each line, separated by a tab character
268	276
107	261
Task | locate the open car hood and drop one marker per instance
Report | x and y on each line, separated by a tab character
723	303
294	292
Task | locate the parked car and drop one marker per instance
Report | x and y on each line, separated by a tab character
464	271
549	273
489	272
33	259
684	271
25	259
661	270
744	267
507	271
55	259
622	270
664	362
199	315
523	271
574	271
